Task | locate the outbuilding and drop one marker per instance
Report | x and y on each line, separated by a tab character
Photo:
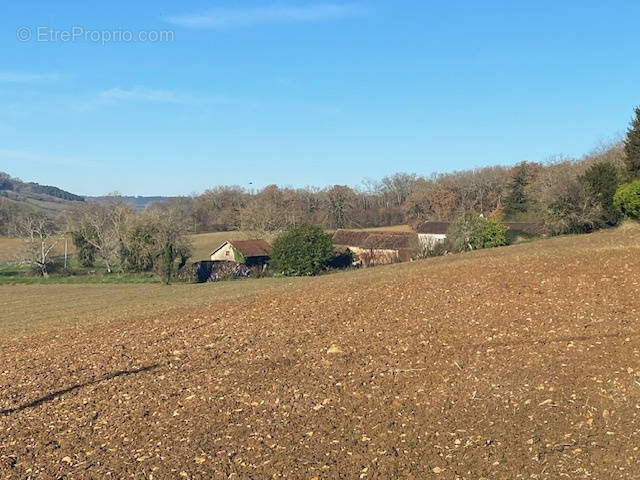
248	252
377	248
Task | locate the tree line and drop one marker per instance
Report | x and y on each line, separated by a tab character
568	195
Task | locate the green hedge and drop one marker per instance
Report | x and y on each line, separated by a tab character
627	199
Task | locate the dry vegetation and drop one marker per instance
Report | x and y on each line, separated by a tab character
520	362
11	248
203	243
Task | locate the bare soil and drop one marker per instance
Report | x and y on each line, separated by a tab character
521	362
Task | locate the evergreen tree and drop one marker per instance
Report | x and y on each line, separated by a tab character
516	201
632	147
602	180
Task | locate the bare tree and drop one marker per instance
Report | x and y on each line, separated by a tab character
41	235
273	209
184	207
219	208
106	225
397	187
340	200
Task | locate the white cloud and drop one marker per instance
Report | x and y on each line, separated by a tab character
222	18
43	159
141	94
146	95
29	78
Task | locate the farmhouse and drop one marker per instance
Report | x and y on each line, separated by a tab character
248	252
377	248
432	233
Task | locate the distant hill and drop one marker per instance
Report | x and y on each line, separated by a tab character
137	202
32	195
35	196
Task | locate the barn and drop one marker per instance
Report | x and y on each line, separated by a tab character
248	252
377	248
431	234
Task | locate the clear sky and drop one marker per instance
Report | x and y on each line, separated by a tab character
305	92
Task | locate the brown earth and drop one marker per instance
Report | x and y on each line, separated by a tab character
521	362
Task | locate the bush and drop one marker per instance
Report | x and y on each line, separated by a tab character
495	234
140	248
431	249
627	199
574	210
303	250
83	239
472	231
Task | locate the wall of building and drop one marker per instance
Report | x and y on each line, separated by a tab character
370	257
430	240
226	253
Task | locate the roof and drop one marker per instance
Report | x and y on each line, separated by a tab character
375	240
390	241
530	228
435	228
249	248
350	238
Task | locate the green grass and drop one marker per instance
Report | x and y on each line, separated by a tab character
16	274
113	278
29	308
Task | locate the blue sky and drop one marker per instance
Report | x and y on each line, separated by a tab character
305	92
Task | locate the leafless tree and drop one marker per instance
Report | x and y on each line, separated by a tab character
397	187
340	202
107	224
41	235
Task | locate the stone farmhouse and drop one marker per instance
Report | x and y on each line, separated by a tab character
377	248
248	252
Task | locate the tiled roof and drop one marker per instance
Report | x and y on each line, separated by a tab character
252	248
436	228
375	240
249	248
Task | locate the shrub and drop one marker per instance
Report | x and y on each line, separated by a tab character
574	210
83	239
303	250
433	249
140	248
495	234
472	231
627	199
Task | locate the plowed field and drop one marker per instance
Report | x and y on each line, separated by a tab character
520	362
